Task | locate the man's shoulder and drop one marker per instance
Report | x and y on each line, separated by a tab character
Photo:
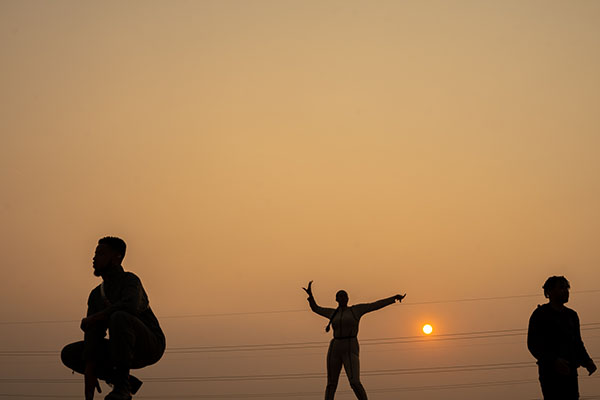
131	274
541	309
571	312
131	277
547	310
96	289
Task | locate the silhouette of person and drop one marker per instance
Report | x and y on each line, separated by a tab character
554	339
343	348
120	305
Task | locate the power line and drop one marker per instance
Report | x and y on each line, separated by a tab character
464	385
311	345
270	312
313	393
292	376
305	375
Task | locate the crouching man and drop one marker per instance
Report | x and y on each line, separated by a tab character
120	306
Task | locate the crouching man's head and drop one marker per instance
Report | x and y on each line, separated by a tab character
109	254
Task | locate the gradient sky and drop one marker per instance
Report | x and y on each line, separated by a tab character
446	149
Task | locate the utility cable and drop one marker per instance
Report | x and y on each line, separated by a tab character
310	345
233	314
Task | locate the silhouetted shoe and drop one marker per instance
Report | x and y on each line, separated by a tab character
134	384
120	392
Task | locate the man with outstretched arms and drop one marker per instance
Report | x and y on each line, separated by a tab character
120	306
344	348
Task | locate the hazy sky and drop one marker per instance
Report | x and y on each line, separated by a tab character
446	149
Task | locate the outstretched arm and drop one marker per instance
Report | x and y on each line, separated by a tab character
322	311
376	305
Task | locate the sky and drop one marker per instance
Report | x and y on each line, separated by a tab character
443	149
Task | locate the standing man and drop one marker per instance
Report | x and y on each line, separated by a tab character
343	348
120	305
554	339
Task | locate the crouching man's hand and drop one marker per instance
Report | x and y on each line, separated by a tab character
89	322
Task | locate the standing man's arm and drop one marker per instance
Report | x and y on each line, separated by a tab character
582	355
535	340
377	305
317	309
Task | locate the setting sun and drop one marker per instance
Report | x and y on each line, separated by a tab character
427	329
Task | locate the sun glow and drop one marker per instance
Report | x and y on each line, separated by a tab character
427	329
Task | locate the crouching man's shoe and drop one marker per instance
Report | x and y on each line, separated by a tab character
122	386
134	384
120	392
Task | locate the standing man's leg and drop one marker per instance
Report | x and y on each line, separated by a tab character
352	367
334	367
559	387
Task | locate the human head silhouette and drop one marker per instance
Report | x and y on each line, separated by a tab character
110	252
342	298
556	289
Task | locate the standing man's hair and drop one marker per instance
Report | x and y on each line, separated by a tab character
552	282
115	243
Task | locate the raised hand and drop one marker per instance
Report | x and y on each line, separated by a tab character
308	289
399	297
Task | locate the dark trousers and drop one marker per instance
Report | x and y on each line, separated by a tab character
559	387
344	352
130	345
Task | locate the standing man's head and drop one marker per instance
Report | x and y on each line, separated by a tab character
556	289
109	253
342	298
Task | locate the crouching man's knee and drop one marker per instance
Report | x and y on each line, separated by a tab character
72	356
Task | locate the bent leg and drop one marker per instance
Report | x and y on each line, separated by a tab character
72	357
334	367
132	344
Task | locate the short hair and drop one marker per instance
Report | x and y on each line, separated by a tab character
552	282
115	243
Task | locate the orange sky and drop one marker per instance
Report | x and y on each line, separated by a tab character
443	149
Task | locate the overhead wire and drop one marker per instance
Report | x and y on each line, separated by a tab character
313	393
233	396
304	345
472	335
294	376
268	312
